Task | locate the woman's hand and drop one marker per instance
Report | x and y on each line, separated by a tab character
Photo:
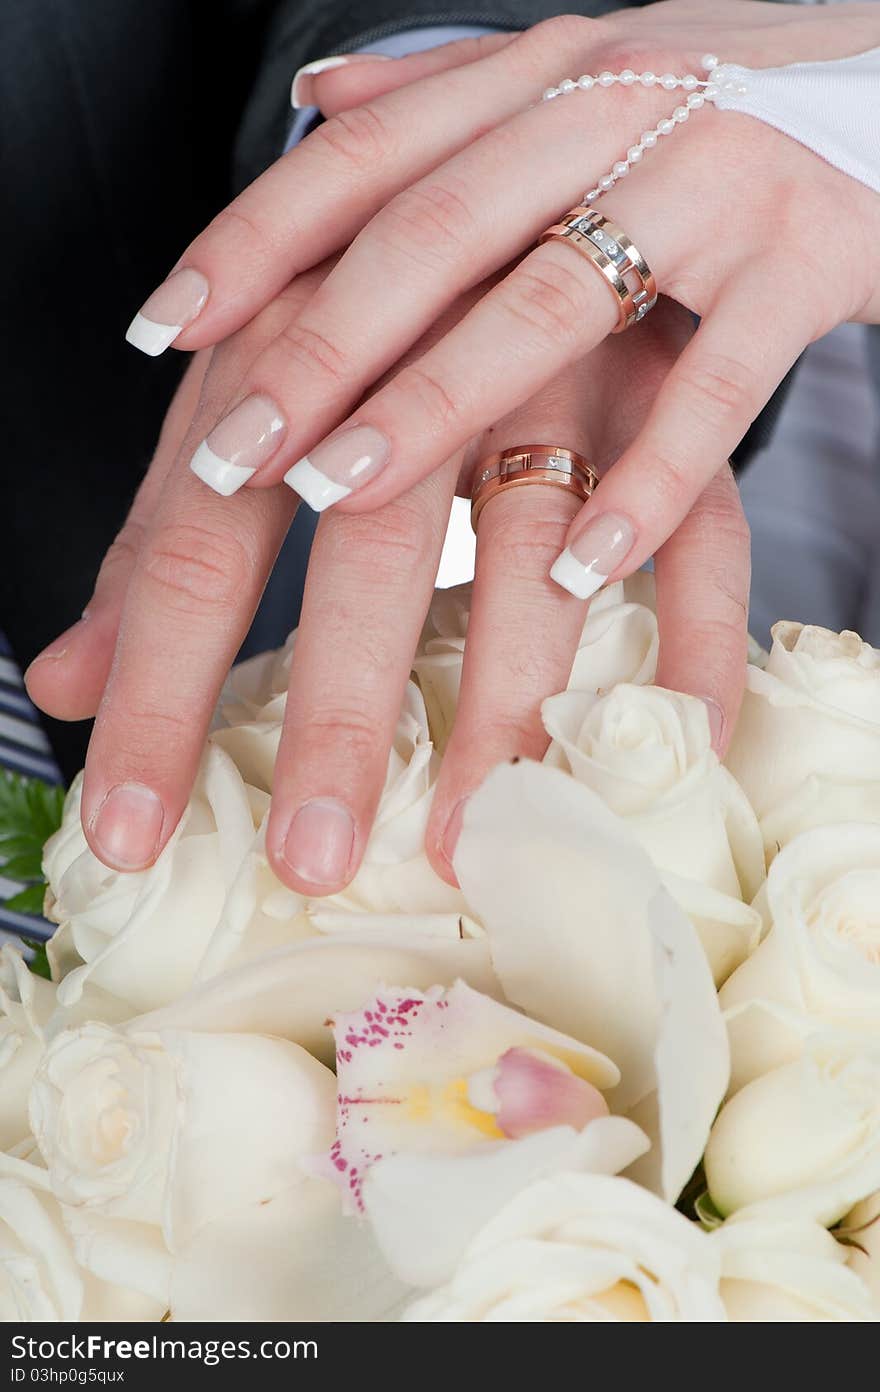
177	592
441	181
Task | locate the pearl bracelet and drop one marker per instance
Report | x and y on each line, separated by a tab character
713	87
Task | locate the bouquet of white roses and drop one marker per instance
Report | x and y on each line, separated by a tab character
627	1072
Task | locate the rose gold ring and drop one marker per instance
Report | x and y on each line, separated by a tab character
553	464
607	247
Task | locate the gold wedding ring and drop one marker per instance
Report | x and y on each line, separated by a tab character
523	464
607	247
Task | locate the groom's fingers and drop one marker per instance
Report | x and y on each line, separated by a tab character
369	585
67	679
703	576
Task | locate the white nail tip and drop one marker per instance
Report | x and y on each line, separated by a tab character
313	487
150	337
217	473
311	70
580	580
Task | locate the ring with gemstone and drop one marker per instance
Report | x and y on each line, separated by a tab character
523	464
607	247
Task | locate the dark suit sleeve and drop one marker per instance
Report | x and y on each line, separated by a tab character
299	33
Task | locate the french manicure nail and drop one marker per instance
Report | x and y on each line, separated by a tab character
301	87
176	303
584	566
716	721
127	827
319	842
339	465
239	445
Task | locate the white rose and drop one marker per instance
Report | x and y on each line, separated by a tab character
172	1131
862	1231
804	1139
786	1271
806	748
647	753
582	1248
618	644
585	938
29	1017
40	1280
141	936
819	966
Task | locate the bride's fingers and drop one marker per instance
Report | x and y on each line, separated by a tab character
720	383
68	678
443	235
369	584
317	198
341	87
702	604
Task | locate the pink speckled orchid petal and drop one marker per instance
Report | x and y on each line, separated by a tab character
414	1075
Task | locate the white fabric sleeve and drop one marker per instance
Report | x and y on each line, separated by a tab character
831	107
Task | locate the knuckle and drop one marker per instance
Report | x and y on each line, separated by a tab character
421	388
548	299
309	348
429	223
397	536
350	733
723	384
566	33
196	568
240	236
358	137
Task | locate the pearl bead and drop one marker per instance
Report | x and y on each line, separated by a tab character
689	82
593	194
665	127
585	82
627	77
741	88
648	79
695	101
708	61
710	92
649	139
669	81
680	114
619	169
606	182
607	79
634	153
567	85
550	93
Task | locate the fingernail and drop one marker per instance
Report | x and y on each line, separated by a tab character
339	465
236	448
716	721
319	842
453	830
301	87
176	303
584	566
127	827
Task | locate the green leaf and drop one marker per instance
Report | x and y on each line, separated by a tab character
39	963
30	812
27	901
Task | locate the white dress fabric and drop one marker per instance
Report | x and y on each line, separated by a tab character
831	107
